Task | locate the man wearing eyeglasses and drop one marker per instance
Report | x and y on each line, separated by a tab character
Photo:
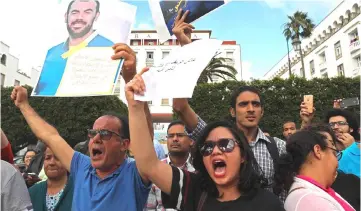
106	180
345	126
179	148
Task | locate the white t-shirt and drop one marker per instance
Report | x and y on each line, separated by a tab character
14	193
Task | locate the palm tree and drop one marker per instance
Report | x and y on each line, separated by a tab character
217	67
299	26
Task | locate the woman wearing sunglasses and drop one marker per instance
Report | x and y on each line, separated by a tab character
308	170
228	177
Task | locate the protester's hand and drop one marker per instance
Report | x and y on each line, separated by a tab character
346	139
129	66
20	96
337	103
135	86
179	104
306	117
181	29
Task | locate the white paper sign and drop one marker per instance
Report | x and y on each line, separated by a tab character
90	72
177	74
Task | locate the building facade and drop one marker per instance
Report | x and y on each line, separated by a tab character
149	50
332	50
11	75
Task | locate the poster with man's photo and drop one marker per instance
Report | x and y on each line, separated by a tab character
164	13
78	62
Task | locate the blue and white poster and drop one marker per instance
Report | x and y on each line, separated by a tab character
80	63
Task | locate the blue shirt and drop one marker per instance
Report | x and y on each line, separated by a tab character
350	161
122	190
54	66
159	150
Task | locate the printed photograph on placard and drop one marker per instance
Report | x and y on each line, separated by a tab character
196	9
78	62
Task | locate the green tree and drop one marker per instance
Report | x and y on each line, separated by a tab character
217	67
299	26
71	116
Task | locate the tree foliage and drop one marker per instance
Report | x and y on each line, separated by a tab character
282	98
70	116
299	25
219	68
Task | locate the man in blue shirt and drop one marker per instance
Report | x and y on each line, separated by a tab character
79	19
106	180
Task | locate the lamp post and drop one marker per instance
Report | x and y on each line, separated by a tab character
296	42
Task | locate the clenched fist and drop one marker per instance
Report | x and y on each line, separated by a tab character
20	96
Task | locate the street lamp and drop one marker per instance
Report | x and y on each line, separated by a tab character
296	42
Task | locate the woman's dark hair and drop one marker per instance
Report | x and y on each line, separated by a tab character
29	150
298	148
250	175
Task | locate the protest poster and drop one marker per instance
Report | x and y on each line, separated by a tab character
177	74
80	63
164	13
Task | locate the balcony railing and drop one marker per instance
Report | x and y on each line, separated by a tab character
354	46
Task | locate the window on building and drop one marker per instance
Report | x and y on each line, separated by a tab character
134	42
3	59
165	102
358	60
2	80
165	54
149	102
312	67
229	54
340	70
136	57
150	55
16	83
150	43
338	51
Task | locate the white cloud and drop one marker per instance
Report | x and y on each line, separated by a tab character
246	73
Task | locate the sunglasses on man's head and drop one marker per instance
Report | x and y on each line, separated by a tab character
104	134
224	144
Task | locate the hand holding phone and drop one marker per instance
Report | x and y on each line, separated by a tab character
308	100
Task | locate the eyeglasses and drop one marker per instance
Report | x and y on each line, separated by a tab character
339	123
224	144
104	134
337	153
180	135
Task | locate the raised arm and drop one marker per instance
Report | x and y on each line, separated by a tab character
128	72
149	167
43	130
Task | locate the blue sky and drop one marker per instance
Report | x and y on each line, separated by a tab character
255	25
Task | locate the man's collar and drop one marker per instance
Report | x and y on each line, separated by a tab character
261	135
186	163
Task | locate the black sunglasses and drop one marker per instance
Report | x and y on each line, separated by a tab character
104	134
223	144
337	153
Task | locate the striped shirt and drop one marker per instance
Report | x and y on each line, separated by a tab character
154	202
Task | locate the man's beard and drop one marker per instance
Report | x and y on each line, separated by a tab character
80	34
